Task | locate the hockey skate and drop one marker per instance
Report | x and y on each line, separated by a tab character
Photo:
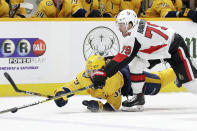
135	104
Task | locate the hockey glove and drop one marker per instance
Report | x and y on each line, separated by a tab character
93	106
64	100
192	14
99	79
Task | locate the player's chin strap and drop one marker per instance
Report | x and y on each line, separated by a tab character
15	109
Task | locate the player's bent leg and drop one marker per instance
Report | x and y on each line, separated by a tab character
137	77
182	62
166	76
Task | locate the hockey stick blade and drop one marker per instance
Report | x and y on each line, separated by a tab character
15	109
8	77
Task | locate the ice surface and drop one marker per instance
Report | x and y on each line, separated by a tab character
163	112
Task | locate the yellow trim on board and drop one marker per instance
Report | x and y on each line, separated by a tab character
85	19
48	89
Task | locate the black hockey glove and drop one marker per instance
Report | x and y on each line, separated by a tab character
64	100
192	14
93	106
99	79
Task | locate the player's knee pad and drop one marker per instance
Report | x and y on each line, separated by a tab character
191	86
64	100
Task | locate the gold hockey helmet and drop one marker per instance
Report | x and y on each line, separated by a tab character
95	62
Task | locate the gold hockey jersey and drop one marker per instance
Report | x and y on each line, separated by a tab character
89	5
110	92
47	9
21	11
4	9
115	6
160	8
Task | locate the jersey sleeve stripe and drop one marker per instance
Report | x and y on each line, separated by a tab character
119	57
153	49
137	77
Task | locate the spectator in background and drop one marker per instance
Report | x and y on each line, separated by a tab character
115	6
170	8
94	8
57	8
4	9
15	10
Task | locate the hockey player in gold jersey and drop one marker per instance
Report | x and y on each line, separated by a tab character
170	8
57	8
115	6
161	8
94	8
18	12
4	9
117	85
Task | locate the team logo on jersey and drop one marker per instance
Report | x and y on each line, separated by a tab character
101	41
49	3
164	5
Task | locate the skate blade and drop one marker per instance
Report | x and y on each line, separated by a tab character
137	108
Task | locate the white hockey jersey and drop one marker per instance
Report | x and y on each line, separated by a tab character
154	40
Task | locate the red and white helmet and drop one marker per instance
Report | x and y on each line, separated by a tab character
127	16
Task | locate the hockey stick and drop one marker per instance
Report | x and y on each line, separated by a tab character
15	109
8	77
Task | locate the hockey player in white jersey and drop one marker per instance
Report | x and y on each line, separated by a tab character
145	44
